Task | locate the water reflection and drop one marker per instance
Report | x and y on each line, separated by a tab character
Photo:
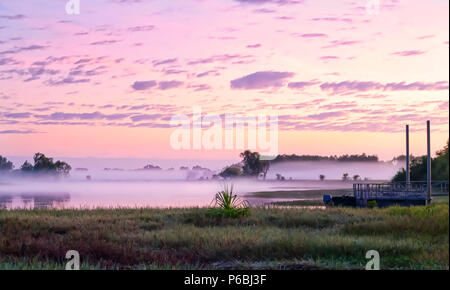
34	200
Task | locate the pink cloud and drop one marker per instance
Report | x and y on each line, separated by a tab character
358	86
261	80
408	52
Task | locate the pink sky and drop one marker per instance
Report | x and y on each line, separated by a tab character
105	82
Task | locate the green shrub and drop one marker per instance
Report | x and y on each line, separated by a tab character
227	204
231	212
372	204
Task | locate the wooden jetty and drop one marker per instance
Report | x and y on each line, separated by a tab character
393	193
385	194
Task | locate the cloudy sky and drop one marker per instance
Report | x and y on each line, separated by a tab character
342	78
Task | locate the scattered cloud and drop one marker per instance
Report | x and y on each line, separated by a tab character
164	61
328	57
200	87
66	81
166	85
264	10
13	17
218	58
208	73
145	117
408	52
141	28
261	80
18	132
278	2
105	42
337	43
16	50
349	86
333	19
326	115
143	85
61	116
301	85
310	35
426	36
17	115
8	61
256	45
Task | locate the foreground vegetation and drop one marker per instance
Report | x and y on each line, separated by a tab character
418	167
267	238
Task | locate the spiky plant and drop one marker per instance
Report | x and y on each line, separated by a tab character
226	203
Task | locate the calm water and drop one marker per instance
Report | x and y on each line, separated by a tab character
172	188
135	193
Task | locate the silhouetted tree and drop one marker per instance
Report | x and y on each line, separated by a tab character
265	168
62	168
230	172
356	177
418	167
151	167
252	165
44	164
322	177
344	158
5	165
345	177
26	166
280	177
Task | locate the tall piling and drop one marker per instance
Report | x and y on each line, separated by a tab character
428	163
408	174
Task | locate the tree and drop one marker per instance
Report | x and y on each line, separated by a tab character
26	166
280	177
151	167
441	164
5	165
252	163
265	168
322	177
43	164
230	172
344	158
418	167
62	168
345	177
356	177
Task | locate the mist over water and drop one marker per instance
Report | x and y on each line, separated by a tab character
172	188
334	170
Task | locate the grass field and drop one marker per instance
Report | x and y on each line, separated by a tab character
270	238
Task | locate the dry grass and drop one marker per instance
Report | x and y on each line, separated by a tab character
407	238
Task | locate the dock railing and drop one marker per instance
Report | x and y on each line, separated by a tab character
413	190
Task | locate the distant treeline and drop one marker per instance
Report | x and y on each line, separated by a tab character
42	165
343	158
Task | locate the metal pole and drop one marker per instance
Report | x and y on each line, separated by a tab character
407	158
428	163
